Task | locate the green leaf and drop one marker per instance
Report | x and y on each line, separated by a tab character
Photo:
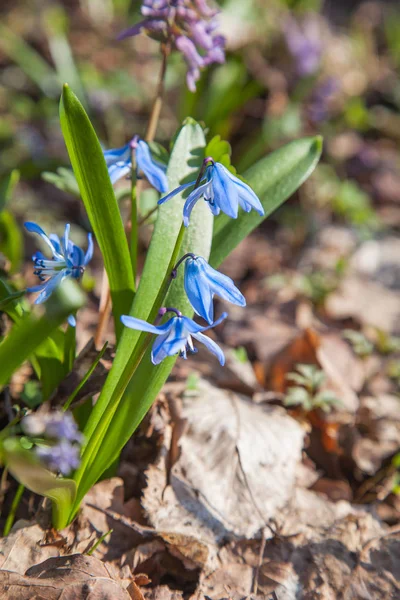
25	467
7	187
147	380
11	241
98	197
274	179
64	179
30	332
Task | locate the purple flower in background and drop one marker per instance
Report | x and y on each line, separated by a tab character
318	108
58	446
304	42
61	458
188	26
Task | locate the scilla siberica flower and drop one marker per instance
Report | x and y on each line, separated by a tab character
188	26
202	282
223	192
175	336
56	439
119	163
68	260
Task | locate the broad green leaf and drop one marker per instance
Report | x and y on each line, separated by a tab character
30	332
98	197
26	469
274	179
185	161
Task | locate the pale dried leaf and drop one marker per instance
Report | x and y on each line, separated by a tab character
236	469
73	577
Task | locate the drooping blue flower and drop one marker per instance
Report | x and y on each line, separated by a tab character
222	191
68	260
175	336
119	163
202	282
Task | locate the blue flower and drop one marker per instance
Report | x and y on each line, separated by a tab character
202	282
119	163
223	192
68	260
175	336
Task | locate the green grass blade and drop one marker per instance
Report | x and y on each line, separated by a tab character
30	61
30	332
274	179
98	196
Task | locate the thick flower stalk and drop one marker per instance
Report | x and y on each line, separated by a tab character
202	283
55	438
119	164
175	336
68	261
221	190
188	26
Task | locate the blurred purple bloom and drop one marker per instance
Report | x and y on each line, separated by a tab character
305	44
189	26
62	425
318	108
61	458
59	444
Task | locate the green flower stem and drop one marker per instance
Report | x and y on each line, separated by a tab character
14	507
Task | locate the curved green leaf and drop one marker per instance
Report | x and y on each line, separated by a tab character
98	197
274	179
26	469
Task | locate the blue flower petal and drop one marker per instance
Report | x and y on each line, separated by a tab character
222	285
33	228
211	346
71	321
50	285
152	170
193	327
197	289
119	170
225	192
89	251
176	191
191	201
141	325
118	155
247	197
